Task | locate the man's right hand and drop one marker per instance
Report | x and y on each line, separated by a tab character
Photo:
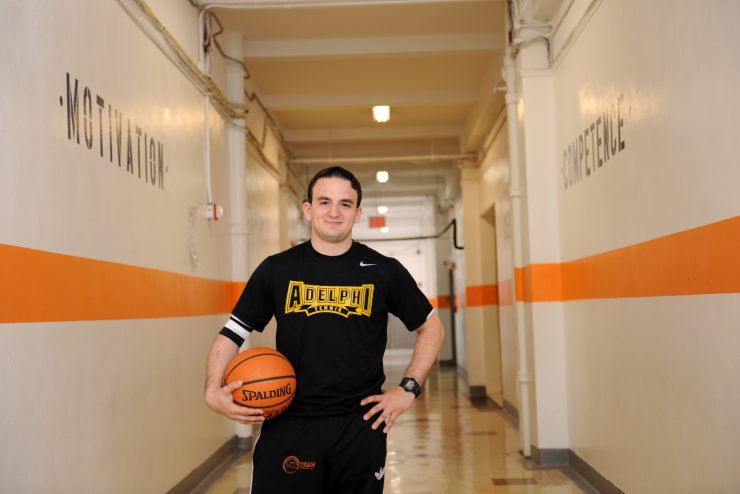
221	400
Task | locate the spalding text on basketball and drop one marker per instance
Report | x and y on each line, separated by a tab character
250	395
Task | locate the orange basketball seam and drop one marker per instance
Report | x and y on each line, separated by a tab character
268	379
254	356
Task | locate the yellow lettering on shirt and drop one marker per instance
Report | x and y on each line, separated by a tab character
341	300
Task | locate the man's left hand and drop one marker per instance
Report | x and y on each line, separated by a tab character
388	406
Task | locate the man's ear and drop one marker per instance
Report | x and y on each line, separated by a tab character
357	215
307	210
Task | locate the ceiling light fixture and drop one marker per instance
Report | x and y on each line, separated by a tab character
382	176
381	113
382	209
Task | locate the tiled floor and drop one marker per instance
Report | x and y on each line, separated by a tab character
443	444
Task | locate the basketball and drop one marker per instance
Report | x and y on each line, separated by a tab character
269	381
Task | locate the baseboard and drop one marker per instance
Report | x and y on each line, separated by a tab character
462	373
592	476
574	467
550	457
212	467
244	443
511	413
477	392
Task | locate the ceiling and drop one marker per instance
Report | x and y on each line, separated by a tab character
318	66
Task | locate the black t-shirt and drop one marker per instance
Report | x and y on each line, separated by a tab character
332	315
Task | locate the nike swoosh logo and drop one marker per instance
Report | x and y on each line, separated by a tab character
364	265
379	474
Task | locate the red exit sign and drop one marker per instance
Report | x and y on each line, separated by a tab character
377	221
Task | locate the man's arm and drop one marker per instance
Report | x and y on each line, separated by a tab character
218	397
429	338
393	402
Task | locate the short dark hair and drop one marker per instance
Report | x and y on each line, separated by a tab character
336	172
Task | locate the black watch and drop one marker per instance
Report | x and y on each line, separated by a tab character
411	385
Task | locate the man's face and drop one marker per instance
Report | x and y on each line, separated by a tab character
333	210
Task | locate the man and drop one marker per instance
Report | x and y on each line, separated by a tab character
330	297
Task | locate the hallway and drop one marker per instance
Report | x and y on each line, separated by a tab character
559	178
446	443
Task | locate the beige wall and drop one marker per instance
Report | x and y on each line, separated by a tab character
444	248
494	185
541	240
474	327
622	380
111	405
652	385
263	238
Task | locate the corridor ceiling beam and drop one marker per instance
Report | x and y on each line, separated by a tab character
323	100
277	4
424	158
373	133
372	45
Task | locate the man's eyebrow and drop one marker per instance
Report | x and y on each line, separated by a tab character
346	200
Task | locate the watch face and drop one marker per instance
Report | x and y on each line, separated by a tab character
409	384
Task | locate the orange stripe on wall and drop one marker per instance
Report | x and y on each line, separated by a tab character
505	294
702	260
542	283
237	287
41	286
480	295
38	286
519	284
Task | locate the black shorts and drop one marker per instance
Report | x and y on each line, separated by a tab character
338	454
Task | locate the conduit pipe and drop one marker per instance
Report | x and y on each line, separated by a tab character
204	63
523	377
203	57
207	138
145	18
